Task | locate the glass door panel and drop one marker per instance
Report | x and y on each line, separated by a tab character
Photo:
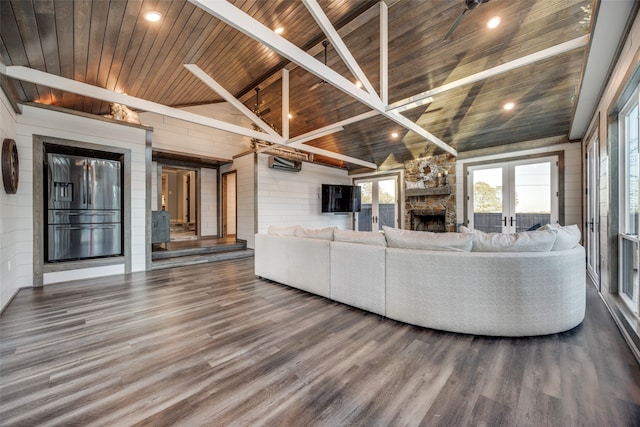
387	204
592	229
532	201
629	259
364	217
487	199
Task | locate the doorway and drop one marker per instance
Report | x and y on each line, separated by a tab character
229	205
592	229
513	196
179	197
379	203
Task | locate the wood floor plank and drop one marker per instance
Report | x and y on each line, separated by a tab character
214	345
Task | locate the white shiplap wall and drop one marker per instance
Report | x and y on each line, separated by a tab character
245	184
40	121
10	211
171	134
293	198
208	202
572	178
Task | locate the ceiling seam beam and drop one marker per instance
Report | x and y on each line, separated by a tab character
384	52
217	87
249	26
62	83
327	28
491	72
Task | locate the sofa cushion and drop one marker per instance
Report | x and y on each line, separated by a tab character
315	233
365	237
525	241
407	239
568	236
282	230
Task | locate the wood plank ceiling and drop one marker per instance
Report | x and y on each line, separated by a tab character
110	45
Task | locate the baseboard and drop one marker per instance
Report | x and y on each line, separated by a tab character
4	307
627	330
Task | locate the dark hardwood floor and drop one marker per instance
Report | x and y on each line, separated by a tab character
213	345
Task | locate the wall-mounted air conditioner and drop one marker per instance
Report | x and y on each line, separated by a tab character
281	163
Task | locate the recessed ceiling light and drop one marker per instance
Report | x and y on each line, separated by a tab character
279	30
394	135
358	83
509	106
290	116
493	22
152	16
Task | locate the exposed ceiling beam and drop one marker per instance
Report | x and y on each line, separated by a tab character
227	96
325	25
249	26
494	71
246	24
302	139
68	85
336	156
209	81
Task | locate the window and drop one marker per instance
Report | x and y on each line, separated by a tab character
629	122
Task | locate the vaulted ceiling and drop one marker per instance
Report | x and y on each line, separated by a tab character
110	45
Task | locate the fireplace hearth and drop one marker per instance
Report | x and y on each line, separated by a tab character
428	220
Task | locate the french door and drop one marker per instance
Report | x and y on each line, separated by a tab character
512	196
592	229
379	203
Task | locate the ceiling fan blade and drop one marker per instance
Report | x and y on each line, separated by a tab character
455	24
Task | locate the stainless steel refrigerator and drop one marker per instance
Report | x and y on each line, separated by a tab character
84	207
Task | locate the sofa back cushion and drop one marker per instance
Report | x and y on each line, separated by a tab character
525	241
407	239
568	236
365	237
315	233
282	230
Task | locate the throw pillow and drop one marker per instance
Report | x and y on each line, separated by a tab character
316	233
525	241
568	236
365	237
407	239
282	230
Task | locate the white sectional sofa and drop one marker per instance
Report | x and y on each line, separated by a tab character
521	287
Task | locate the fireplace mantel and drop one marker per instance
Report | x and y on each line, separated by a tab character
435	191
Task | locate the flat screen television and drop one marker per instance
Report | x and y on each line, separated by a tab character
340	198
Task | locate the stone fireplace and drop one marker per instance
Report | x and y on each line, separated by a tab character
430	197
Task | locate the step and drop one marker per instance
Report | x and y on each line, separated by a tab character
200	259
238	246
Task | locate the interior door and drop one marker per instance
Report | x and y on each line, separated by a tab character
379	203
592	226
512	196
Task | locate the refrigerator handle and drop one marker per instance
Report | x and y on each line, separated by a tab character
88	181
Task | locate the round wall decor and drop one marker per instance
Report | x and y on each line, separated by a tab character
10	166
427	170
